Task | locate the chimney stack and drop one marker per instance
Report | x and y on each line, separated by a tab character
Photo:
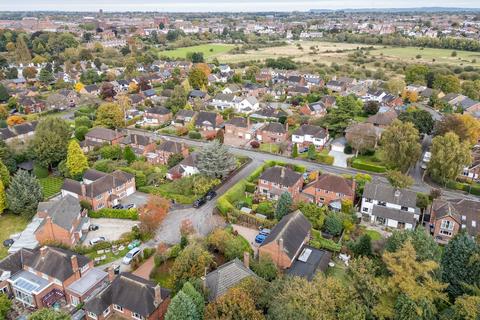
111	274
75	269
246	260
282	173
158	295
43	251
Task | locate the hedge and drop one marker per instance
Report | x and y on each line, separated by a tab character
325	158
470	188
320	242
358	164
140	177
250	187
128	214
194	135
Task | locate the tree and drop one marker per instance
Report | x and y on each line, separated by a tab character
422	120
423	200
460	264
235	304
371	107
447	84
220	137
109	115
467	307
265	268
107	91
51	141
449	157
196	297
363	246
472	127
411	283
4	174
399	180
333	224
152	214
177	100
311	153
284	206
129	155
294	151
400	145
4	95
215	161
416	74
315	214
45	76
77	162
395	86
29	72
24	194
22	53
425	246
174	159
182	307
80	132
3	198
198	79
190	264
362	137
5	305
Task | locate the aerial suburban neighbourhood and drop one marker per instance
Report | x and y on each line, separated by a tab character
189	161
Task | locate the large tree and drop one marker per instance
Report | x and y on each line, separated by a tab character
4	174
177	100
464	126
190	264
5	305
110	115
399	180
3	198
182	307
51	141
400	145
235	304
422	120
197	79
196	297
46	76
460	264
153	213
24	194
449	157
284	205
425	246
77	162
215	161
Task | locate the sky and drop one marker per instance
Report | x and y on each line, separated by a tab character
219	5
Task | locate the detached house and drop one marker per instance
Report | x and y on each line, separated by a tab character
308	134
98	137
316	109
18	134
277	180
165	150
140	144
101	190
273	132
208	122
157	116
64	221
391	207
187	167
183	117
129	297
239	131
383	119
329	189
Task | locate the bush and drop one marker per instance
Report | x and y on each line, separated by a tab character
129	214
255	144
325	158
194	135
348	149
40	172
250	187
140	177
266	208
85	204
358	164
333	224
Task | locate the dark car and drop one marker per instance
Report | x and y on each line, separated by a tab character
118	206
8	243
199	202
210	195
93	227
129	206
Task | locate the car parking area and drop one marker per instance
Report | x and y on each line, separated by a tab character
249	234
111	229
137	198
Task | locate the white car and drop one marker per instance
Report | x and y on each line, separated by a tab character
427	157
96	240
131	255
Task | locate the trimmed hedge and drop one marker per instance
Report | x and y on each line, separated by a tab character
358	164
128	214
194	135
320	242
325	158
470	188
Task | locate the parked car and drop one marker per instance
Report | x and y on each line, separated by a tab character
129	206
265	232
118	206
199	202
210	195
131	255
96	240
260	238
135	243
93	227
427	156
7	243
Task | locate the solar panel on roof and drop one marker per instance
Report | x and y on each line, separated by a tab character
305	254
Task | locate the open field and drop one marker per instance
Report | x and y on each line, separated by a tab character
209	50
10	224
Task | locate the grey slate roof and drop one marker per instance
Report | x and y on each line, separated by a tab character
225	277
384	192
314	131
465	211
137	139
158	110
238	122
63	211
209	118
129	291
394	214
103	134
274	127
6	133
170	146
293	229
317	260
281	175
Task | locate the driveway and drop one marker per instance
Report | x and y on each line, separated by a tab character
249	234
112	229
340	158
138	198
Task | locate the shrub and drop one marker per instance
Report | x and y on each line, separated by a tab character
358	164
348	149
194	135
325	158
250	187
265	208
255	144
85	204
129	214
333	224
40	172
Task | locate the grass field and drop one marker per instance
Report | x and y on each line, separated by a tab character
209	51
50	186
10	224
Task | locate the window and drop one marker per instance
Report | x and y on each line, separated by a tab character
99	197
464	226
447	225
368	200
117	308
474	223
106	311
445	233
365	209
404	208
92	315
137	316
4	290
464	218
382	203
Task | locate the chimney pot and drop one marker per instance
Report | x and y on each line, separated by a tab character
246	260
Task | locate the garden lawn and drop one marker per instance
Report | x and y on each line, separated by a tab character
50	186
269	147
168	191
110	256
208	50
374	235
10	224
339	271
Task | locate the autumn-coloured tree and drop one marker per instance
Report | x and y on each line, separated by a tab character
235	304
153	213
79	86
13	120
186	227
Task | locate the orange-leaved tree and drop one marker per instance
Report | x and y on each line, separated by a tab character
153	213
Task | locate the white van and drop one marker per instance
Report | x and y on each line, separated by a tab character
131	255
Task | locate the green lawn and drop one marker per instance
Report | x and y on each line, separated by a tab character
208	50
10	224
339	271
374	235
269	147
50	186
110	257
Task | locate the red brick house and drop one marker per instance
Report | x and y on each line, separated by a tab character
328	188
165	150
129	297
277	180
140	144
239	131
64	221
100	136
40	278
101	190
157	116
273	132
208	122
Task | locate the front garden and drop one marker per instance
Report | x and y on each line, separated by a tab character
370	161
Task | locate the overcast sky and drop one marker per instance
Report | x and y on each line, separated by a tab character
220	5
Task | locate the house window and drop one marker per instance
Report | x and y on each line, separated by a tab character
74	301
446	233
99	197
368	200
464	218
4	290
118	308
447	225
382	203
92	315
365	209
474	223
106	312
404	208
137	316
464	226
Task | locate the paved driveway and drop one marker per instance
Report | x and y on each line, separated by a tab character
112	229
340	158
138	198
249	234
